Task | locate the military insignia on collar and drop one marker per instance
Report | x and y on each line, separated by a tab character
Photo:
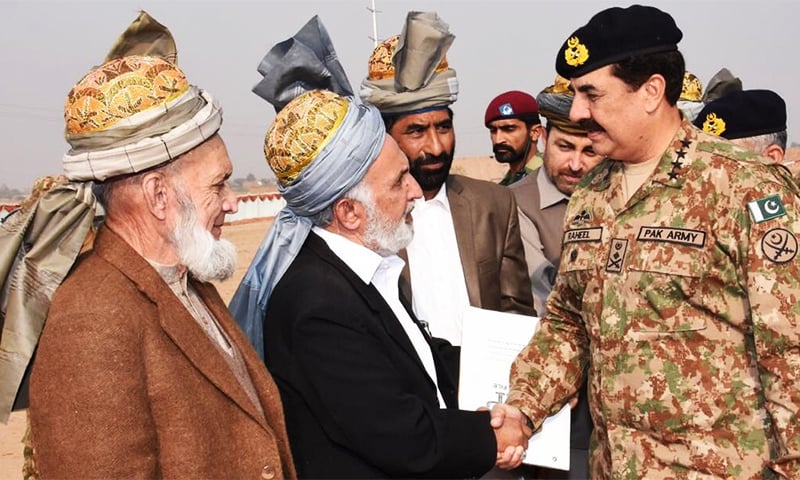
576	53
581	218
766	208
714	125
779	245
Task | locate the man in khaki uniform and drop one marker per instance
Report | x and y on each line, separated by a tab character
678	283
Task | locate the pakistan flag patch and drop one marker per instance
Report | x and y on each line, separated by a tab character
766	208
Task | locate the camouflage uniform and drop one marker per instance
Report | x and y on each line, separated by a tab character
686	309
532	165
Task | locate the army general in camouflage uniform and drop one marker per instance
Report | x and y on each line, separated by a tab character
679	282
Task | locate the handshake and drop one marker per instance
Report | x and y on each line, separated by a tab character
512	431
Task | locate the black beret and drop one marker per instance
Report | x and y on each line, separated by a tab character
615	34
742	114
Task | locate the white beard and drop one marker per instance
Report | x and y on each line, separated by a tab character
384	237
205	257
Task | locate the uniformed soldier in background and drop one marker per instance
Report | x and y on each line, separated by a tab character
753	119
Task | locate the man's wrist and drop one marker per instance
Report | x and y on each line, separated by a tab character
528	423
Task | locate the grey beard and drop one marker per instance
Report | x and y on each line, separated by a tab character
205	257
383	237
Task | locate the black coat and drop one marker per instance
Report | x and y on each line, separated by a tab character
357	399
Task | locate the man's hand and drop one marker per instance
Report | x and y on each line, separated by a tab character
512	433
501	411
510	458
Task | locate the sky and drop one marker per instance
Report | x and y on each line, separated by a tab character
500	45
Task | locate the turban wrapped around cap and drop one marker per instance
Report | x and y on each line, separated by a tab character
555	102
319	146
307	61
134	112
409	72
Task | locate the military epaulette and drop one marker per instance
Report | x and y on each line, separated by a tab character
719	146
724	148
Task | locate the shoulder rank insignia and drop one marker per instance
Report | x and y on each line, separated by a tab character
766	208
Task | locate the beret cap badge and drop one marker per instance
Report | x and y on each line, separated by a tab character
743	114
576	53
506	109
714	125
614	35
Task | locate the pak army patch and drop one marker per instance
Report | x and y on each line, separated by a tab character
779	245
766	208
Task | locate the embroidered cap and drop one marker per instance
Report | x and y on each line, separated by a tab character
133	113
409	73
119	90
692	89
690	101
380	65
300	131
615	34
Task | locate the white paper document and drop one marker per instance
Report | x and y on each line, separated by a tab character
490	342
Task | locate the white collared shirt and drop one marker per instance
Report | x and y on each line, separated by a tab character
384	273
439	290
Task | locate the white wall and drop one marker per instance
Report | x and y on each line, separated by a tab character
261	205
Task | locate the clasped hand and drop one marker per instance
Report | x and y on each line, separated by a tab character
512	434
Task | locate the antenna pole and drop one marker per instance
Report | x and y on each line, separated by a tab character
374	12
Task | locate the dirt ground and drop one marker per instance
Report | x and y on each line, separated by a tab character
246	237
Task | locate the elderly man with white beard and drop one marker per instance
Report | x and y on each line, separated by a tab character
366	392
141	371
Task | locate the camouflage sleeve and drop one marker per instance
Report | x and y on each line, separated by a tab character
549	370
771	224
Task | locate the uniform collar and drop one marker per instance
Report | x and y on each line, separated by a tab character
671	170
